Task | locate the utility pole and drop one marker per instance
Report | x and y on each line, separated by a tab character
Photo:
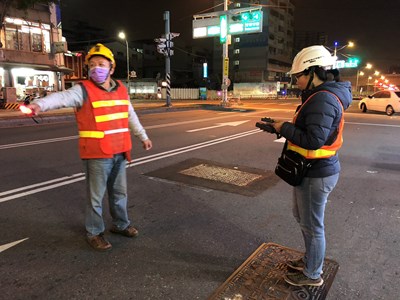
164	46
167	59
225	65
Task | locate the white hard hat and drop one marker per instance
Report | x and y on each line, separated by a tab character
312	56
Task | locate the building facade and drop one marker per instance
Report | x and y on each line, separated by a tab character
264	56
31	52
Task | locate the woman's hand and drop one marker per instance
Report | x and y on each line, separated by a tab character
278	125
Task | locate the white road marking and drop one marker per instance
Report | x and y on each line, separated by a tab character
9	245
237	123
281	140
372	124
52	184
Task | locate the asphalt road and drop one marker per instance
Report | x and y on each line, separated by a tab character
192	237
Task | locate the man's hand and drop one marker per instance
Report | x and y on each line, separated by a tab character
147	144
35	108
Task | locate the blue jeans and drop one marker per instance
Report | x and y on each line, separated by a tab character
308	209
107	174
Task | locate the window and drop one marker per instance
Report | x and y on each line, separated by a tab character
27	36
274	13
37	42
12	39
237	51
379	95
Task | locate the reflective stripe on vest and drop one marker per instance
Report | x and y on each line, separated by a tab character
320	153
111	117
109	103
325	151
100	134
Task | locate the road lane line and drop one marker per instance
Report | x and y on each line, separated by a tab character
80	176
9	245
191	149
40	184
24	144
198	144
371	124
61	139
49	187
236	123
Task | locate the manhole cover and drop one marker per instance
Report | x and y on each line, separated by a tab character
217	176
221	174
261	277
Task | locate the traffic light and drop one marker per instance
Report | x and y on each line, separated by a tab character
165	45
248	21
161	45
245	17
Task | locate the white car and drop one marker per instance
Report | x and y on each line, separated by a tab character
384	101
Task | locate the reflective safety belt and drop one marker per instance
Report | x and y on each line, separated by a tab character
319	153
108	103
111	117
100	134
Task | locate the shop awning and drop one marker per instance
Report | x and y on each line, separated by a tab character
63	69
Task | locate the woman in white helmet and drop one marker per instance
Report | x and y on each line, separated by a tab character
316	133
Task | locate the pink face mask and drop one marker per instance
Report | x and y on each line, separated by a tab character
99	74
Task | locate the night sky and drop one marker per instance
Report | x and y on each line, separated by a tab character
372	25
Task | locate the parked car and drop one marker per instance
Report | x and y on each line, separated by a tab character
384	101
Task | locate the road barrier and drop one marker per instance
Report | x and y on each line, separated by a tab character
10	106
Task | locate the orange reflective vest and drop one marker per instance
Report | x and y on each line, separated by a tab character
325	151
103	122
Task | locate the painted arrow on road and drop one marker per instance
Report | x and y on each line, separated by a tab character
9	245
281	140
219	125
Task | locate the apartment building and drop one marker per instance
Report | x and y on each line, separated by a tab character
31	52
264	56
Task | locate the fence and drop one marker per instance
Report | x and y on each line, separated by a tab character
182	94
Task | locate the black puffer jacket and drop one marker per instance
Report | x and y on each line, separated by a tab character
317	122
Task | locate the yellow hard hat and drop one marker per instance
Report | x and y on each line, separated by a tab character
100	49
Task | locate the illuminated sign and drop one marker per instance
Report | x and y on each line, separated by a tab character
226	66
205	70
231	22
351	63
246	22
223	25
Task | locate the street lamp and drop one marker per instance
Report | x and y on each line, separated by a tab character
369	78
361	73
122	36
336	49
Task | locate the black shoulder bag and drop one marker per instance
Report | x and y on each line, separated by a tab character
292	167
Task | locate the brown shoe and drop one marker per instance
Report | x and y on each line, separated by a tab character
129	231
99	243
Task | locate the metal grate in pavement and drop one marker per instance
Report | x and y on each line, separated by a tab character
221	174
217	176
261	277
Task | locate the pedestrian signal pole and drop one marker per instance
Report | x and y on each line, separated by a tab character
167	58
224	38
164	46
